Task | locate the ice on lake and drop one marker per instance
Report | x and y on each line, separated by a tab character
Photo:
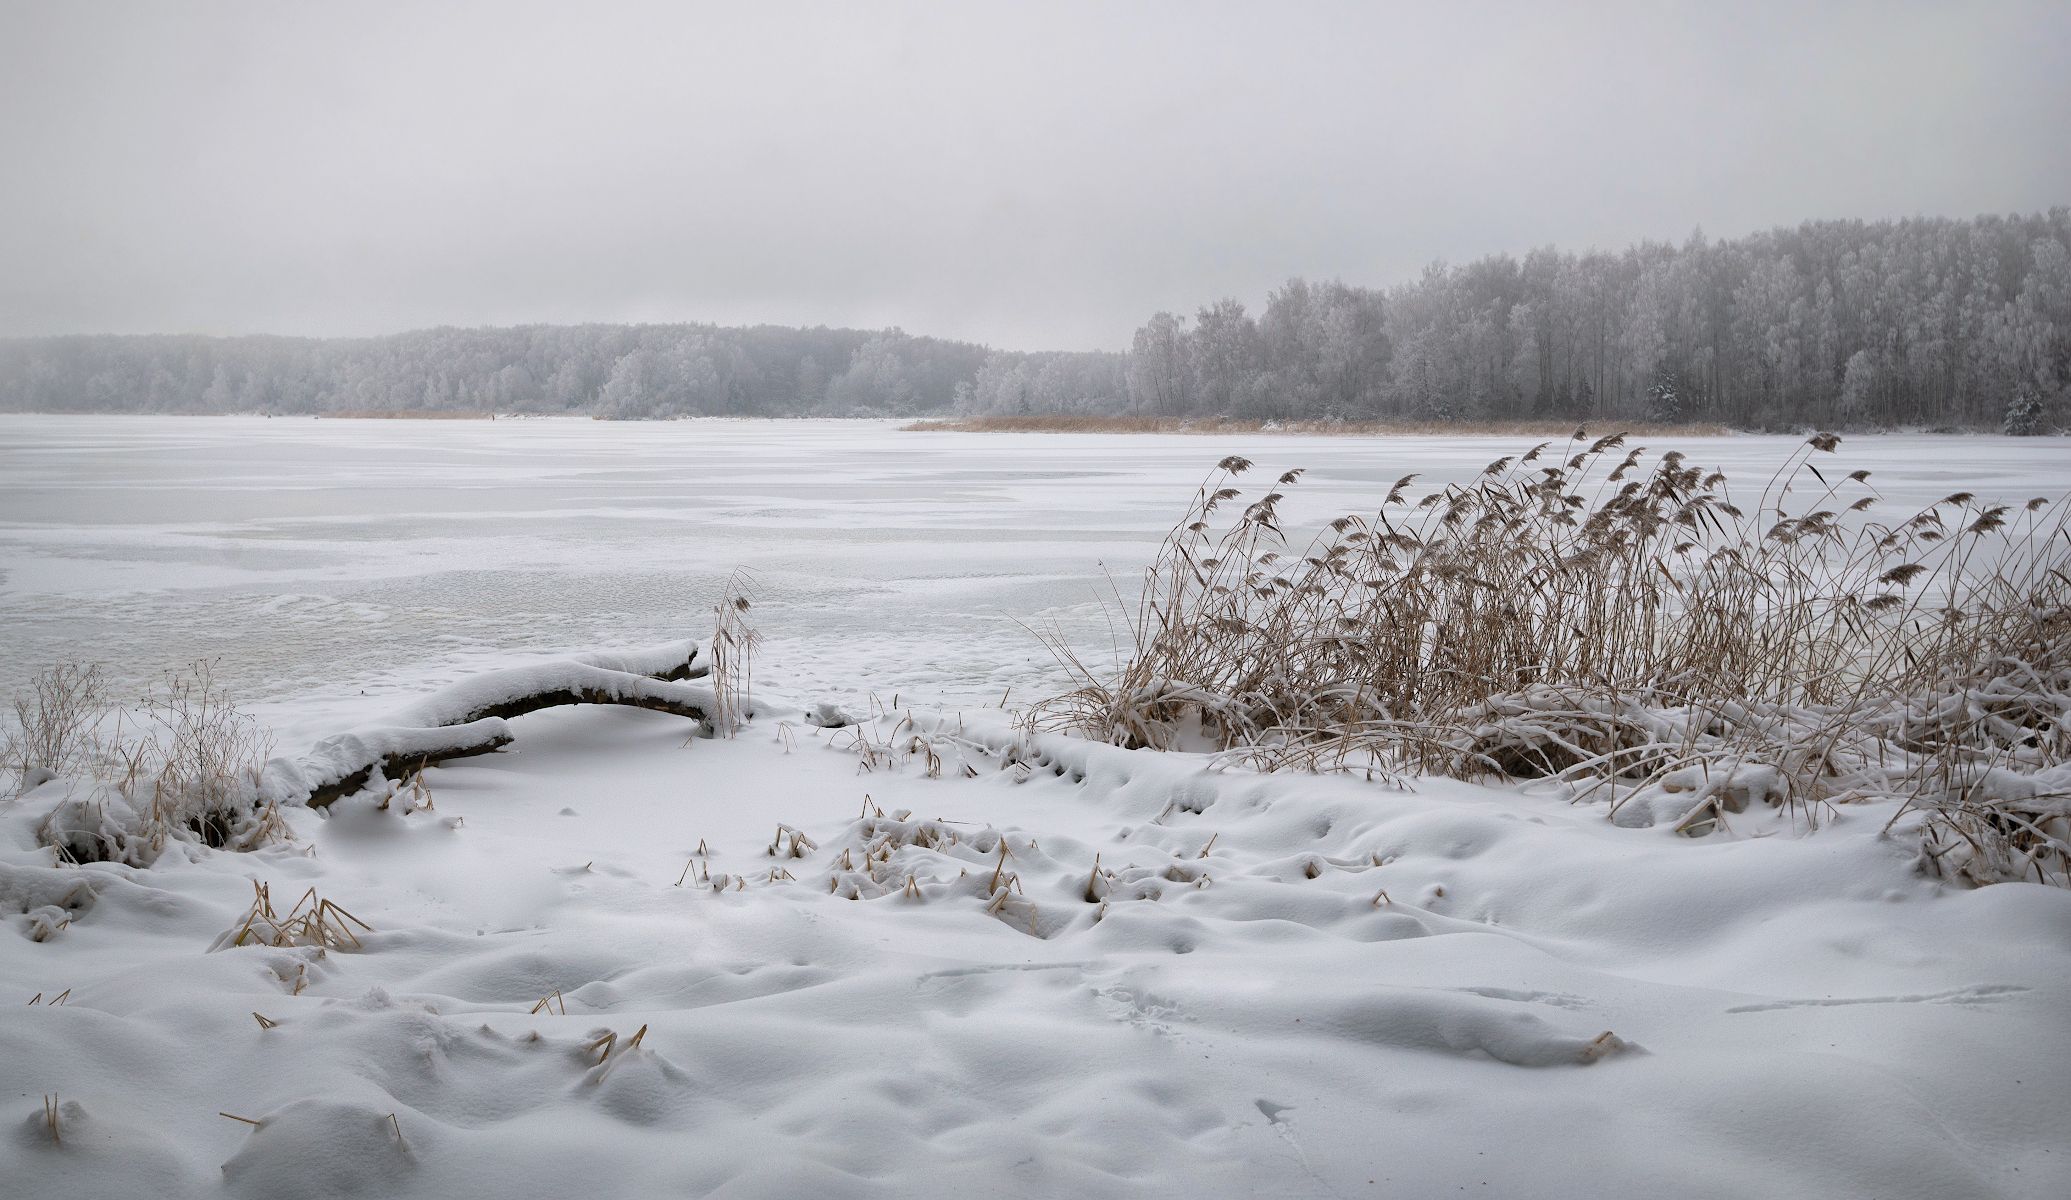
330	567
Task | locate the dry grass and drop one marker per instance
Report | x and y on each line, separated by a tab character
313	921
1092	423
1621	624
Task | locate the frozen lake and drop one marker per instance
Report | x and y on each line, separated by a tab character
329	565
1115	974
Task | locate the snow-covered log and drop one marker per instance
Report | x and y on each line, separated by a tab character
471	717
345	763
672	661
515	691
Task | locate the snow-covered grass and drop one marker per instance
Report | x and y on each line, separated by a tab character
931	953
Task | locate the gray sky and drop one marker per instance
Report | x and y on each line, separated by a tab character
1028	175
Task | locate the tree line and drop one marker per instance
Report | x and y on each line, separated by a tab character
614	371
1842	324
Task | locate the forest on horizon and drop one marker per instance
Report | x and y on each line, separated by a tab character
1920	323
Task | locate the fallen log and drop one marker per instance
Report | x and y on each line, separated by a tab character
471	717
518	706
342	765
671	662
515	691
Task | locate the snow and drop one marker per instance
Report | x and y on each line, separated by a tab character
1268	985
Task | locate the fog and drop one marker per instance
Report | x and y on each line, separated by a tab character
1023	176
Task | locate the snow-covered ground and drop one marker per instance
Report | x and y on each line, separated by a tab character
1285	986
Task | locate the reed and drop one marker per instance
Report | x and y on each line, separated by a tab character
1625	624
734	643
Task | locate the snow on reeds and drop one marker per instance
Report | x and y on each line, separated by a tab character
1626	625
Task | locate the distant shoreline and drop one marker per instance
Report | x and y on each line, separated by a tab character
1555	429
408	415
1552	428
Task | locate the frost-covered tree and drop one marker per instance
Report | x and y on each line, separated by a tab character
1665	397
1225	356
1161	368
1858	388
2023	414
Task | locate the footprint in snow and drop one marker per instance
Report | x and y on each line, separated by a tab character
1527	996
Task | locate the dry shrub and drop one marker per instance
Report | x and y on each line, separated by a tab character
57	724
190	774
1591	615
209	756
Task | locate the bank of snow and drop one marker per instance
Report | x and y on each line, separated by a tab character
1280	985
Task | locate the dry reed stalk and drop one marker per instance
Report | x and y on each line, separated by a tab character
734	643
313	921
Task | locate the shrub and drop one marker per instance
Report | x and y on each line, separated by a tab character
208	756
193	776
57	724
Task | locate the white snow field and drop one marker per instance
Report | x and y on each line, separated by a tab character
974	964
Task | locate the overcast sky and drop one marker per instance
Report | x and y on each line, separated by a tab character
1029	175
